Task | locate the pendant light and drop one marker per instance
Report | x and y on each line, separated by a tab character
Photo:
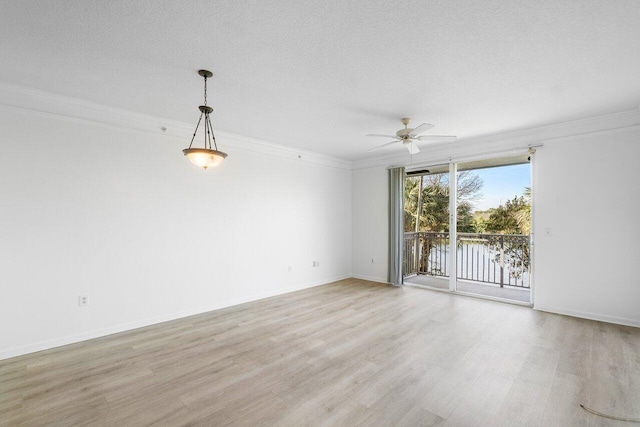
205	157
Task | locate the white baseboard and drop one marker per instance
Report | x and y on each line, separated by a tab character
591	316
58	342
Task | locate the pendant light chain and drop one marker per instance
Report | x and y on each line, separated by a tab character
207	129
206	115
196	131
205	90
215	144
207	121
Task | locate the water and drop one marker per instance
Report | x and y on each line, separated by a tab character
479	261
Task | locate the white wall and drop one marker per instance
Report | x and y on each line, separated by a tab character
587	211
371	224
121	216
586	192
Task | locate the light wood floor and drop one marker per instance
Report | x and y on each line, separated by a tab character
349	353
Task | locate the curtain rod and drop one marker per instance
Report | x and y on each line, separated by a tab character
454	159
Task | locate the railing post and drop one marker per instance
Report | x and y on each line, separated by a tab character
502	261
416	237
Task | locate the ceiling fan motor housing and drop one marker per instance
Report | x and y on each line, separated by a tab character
404	133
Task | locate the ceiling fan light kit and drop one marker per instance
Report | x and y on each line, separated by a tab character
409	136
208	156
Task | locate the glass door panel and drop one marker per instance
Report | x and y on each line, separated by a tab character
493	227
426	249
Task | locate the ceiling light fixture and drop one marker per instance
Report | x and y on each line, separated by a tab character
205	157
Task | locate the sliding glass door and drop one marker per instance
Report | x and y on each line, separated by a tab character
482	246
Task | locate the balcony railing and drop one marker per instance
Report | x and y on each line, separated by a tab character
501	259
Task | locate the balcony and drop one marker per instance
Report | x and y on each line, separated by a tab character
494	265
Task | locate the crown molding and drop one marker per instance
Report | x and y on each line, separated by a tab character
77	110
513	140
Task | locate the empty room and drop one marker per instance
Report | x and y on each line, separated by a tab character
337	213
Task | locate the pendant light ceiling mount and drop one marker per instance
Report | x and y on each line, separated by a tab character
208	156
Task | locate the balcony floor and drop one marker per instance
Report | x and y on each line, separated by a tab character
479	288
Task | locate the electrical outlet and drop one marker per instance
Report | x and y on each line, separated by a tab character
289	268
371	260
83	300
316	263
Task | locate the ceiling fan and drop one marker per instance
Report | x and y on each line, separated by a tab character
409	137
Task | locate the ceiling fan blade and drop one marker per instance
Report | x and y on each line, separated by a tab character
412	147
384	145
421	129
385	136
437	138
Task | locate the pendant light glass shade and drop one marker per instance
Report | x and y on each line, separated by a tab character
208	156
204	157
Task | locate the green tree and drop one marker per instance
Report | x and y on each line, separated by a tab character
514	217
429	195
523	216
478	223
434	201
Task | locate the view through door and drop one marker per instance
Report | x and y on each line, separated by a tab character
493	214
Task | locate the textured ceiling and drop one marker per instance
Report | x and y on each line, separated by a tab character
319	75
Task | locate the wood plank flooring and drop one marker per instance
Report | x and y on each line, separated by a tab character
348	353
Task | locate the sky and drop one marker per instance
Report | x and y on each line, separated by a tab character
501	184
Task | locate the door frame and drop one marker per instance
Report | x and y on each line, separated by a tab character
453	237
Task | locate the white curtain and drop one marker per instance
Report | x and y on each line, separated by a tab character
396	224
